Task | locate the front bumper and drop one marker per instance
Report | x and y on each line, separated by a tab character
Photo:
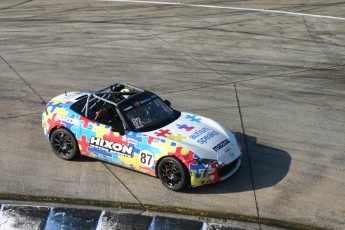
227	170
212	173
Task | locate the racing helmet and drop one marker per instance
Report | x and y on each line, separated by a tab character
125	90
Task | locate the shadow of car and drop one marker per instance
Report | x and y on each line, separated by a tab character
262	167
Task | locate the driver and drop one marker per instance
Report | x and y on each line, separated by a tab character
119	97
105	115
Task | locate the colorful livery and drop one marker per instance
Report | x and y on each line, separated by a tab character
134	128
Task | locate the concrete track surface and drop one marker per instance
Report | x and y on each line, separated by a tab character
277	80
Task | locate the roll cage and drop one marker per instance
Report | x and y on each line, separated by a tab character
113	95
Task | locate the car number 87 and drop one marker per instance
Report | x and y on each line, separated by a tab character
146	158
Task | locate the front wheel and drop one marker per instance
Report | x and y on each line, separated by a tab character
173	174
64	144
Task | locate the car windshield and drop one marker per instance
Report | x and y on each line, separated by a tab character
148	113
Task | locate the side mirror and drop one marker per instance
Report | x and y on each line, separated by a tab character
167	102
118	128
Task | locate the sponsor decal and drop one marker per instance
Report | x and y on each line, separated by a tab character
145	100
198	133
221	145
128	108
209	135
111	147
131	140
67	119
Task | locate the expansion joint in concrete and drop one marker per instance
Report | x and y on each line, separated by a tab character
189	55
124	185
247	153
23	80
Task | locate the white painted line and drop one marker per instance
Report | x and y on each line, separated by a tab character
227	8
100	221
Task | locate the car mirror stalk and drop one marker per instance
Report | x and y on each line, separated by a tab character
118	128
167	102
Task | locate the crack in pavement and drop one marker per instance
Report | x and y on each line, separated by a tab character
322	45
22	3
189	55
124	185
25	82
247	153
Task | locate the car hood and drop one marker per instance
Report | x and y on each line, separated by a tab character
205	137
69	96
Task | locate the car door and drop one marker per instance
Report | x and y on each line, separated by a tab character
102	142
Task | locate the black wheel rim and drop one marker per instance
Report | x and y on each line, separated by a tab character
63	144
171	174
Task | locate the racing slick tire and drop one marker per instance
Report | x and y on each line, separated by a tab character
64	144
173	174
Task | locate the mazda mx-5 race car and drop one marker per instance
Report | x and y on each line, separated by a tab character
134	128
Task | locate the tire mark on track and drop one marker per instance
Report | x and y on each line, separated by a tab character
253	79
315	6
20	115
321	44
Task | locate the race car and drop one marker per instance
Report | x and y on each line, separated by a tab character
134	128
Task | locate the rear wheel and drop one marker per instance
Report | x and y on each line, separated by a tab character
173	174
64	144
